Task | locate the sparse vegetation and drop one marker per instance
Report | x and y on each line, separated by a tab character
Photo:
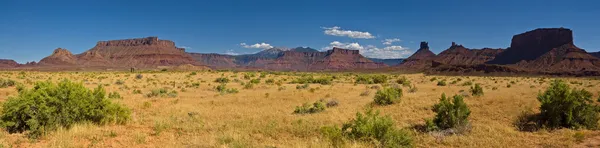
7	83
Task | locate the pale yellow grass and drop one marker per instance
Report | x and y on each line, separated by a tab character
202	117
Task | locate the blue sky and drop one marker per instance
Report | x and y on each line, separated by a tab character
31	30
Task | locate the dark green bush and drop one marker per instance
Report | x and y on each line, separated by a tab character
48	106
468	83
369	127
565	107
306	108
476	90
451	114
139	76
441	83
4	83
222	80
403	81
388	96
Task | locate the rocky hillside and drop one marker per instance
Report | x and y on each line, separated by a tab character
420	60
596	54
6	63
459	55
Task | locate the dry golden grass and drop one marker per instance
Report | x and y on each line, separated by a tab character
262	116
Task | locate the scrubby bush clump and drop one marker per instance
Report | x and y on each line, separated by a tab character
476	90
310	79
449	114
403	81
222	80
4	83
306	108
565	107
369	127
162	92
48	106
371	79
388	96
224	90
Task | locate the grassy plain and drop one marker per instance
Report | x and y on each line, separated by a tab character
262	116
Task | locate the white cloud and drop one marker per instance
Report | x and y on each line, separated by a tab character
353	46
185	47
231	52
257	45
336	31
371	51
390	41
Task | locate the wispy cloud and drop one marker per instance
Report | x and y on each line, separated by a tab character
390	41
388	52
337	31
257	45
231	52
186	47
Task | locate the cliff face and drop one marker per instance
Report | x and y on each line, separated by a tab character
533	44
141	52
420	60
215	60
337	59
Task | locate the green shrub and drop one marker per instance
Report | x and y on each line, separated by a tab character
114	95
388	96
563	107
4	83
120	82
255	81
248	86
224	90
310	79
305	86
48	106
468	83
476	90
403	81
451	114
269	81
441	83
371	79
306	108
372	128
222	80
162	92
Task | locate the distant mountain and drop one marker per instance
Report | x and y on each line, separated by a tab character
304	49
388	62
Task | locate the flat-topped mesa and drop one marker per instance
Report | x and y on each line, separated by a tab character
148	41
342	51
533	44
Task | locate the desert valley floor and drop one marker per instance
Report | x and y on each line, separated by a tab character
192	113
